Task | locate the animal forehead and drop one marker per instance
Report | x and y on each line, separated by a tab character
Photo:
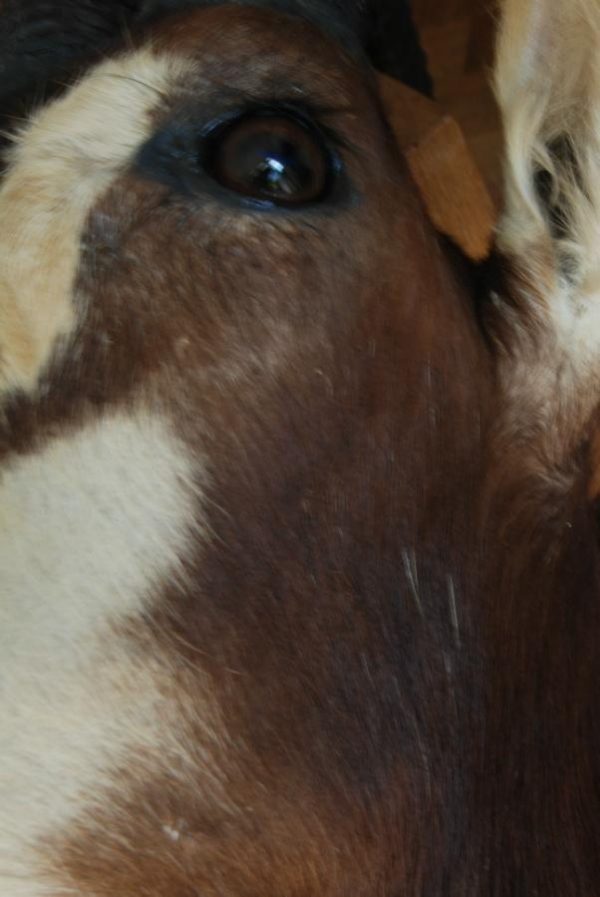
344	19
250	36
261	55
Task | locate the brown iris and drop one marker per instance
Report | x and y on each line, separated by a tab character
270	157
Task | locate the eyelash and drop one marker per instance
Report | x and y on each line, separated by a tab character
313	114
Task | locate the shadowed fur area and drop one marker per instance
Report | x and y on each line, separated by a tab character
298	576
45	44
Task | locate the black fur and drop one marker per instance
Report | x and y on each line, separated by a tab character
44	43
393	44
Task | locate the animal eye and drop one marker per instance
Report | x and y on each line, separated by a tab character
271	157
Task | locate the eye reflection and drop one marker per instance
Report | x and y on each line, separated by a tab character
270	156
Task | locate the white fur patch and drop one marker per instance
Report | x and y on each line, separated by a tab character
64	160
88	526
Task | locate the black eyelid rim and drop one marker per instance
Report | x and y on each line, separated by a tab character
308	115
163	145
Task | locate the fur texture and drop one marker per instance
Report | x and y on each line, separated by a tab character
119	495
548	86
61	164
298	575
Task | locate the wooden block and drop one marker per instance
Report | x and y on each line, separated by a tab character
482	38
453	191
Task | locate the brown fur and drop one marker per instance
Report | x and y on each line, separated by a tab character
397	617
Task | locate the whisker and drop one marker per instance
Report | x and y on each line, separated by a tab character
412	575
454	611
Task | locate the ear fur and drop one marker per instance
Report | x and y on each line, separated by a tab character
548	85
546	314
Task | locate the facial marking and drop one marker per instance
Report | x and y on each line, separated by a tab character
88	527
64	160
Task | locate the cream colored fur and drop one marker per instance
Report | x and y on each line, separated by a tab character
87	528
63	162
95	520
548	86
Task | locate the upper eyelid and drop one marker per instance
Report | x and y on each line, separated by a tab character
312	113
324	115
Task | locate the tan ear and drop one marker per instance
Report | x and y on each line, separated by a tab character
548	85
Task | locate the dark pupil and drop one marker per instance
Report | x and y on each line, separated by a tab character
271	158
272	164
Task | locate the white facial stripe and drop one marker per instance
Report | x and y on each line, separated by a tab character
64	161
88	527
